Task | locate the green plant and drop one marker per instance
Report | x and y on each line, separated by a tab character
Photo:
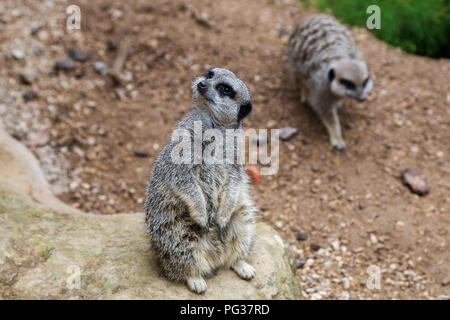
417	26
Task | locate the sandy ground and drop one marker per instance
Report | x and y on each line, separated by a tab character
86	131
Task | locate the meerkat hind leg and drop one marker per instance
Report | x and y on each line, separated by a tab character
244	270
304	92
197	284
330	119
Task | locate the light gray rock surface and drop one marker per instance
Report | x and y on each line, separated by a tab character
45	245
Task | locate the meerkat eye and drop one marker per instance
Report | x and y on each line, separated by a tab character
365	82
348	84
331	75
225	90
209	74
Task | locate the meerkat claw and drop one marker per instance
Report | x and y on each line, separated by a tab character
244	270
197	285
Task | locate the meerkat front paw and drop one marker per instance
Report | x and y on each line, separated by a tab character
244	270
337	143
197	284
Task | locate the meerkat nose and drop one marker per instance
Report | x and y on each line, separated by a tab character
201	86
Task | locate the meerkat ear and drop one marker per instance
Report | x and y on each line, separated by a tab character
331	75
244	110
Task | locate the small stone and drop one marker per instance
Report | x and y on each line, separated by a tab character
64	65
287	133
299	264
316	296
141	154
302	236
345	295
415	182
28	75
120	93
79	55
73	185
30	95
346	283
17	54
336	245
373	238
101	67
399	225
314	246
38	139
112	46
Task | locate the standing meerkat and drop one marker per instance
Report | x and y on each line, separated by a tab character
327	66
200	216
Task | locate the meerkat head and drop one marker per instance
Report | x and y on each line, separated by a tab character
221	93
350	77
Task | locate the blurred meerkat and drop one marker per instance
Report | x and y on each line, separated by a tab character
200	216
327	66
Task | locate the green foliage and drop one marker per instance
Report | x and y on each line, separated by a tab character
417	26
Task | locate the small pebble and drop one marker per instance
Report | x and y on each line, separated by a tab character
79	55
141	154
314	247
28	75
64	65
287	133
17	54
415	182
30	95
299	264
302	236
101	67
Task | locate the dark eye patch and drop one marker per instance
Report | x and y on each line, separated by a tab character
348	84
209	74
225	90
365	82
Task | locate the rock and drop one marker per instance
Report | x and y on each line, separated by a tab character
314	247
101	67
30	95
49	250
17	54
287	133
415	182
64	65
112	46
141	154
302	236
79	55
335	245
38	139
119	93
299	264
28	75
